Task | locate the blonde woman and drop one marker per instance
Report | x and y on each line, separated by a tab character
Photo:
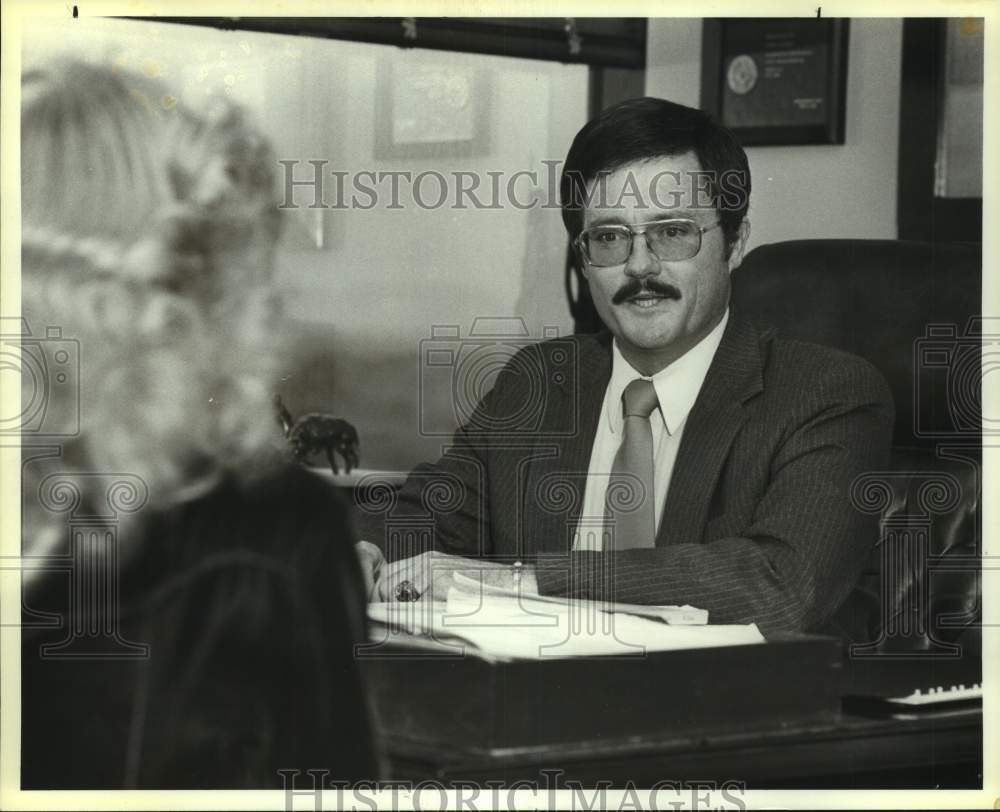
224	644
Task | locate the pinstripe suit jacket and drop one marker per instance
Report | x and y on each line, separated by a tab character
758	524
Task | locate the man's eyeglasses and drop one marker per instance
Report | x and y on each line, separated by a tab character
669	240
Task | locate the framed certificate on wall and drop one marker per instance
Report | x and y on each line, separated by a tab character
430	110
776	80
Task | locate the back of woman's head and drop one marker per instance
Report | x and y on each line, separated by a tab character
147	236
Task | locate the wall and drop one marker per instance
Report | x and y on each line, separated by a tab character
806	192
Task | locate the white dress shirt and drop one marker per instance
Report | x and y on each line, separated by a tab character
677	387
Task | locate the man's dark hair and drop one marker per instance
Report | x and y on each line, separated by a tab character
639	129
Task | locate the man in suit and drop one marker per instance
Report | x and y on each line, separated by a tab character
683	456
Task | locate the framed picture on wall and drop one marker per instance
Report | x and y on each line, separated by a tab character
431	110
776	81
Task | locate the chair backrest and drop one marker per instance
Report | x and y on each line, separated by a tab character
913	310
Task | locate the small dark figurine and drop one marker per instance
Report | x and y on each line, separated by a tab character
313	433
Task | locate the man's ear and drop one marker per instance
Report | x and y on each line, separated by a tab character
736	254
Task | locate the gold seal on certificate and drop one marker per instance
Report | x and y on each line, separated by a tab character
742	74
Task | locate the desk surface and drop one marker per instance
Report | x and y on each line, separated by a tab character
943	749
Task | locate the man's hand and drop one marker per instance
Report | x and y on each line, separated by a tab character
372	565
432	574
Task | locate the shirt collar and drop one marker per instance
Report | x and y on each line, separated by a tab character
677	385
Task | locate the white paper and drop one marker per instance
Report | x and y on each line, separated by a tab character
675	615
508	627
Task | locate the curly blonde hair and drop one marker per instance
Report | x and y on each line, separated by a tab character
148	235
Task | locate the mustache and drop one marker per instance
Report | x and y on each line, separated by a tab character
634	287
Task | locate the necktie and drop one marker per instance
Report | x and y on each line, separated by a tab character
631	513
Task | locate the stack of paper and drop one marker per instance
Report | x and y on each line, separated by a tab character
509	626
680	615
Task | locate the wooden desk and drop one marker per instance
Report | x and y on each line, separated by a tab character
943	750
768	716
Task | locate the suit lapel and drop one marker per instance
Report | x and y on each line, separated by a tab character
736	374
556	474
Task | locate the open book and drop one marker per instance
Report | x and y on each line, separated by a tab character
502	624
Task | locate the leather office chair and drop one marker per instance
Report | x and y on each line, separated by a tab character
913	310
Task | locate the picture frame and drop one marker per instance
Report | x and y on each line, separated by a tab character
776	81
431	110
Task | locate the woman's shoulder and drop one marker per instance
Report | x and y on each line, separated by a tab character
281	531
279	509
